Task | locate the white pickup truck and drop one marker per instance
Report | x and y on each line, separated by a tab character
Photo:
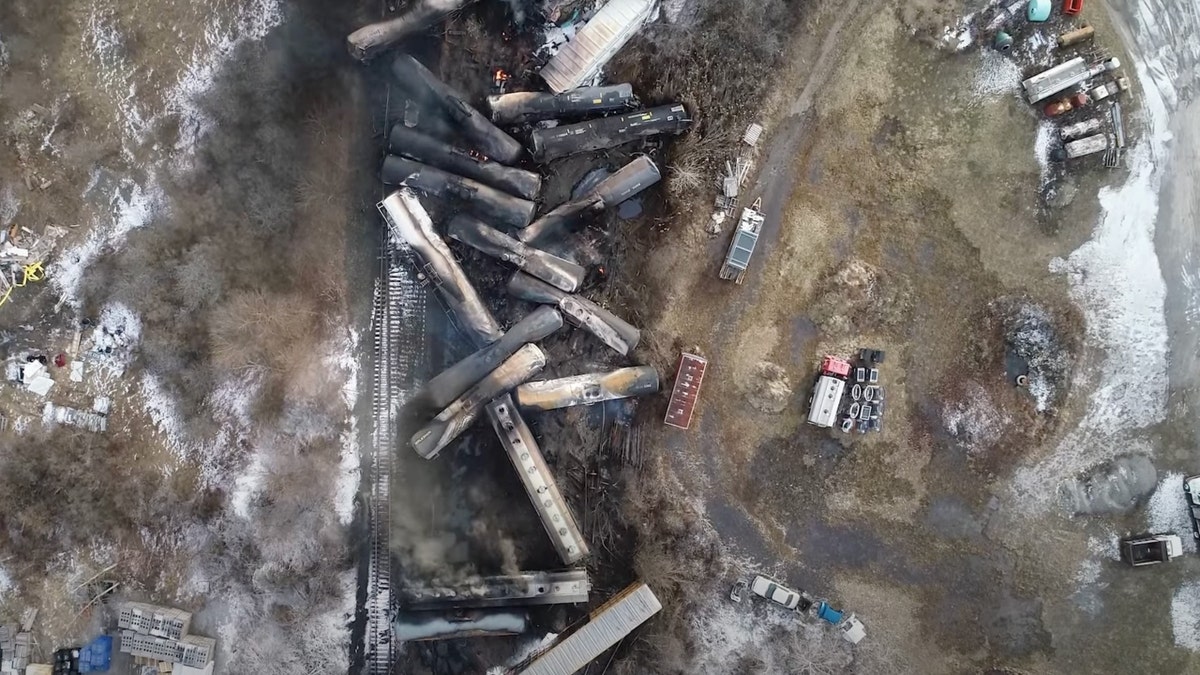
1151	549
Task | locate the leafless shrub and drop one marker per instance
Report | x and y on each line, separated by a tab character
816	650
64	489
718	66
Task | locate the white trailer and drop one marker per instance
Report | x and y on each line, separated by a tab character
1064	76
607	626
826	399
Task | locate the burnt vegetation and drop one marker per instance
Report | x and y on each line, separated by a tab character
716	60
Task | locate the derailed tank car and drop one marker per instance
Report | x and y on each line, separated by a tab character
524	107
410	223
550	144
500	208
624	183
428	150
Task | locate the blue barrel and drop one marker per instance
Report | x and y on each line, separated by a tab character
833	616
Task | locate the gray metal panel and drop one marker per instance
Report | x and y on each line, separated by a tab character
742	249
580	59
612	622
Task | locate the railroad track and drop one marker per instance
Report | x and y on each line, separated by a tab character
379	651
398	334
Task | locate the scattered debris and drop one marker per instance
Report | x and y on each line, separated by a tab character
15	649
738	591
1063	76
1074	37
1039	10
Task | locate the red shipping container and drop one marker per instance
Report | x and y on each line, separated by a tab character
1072	7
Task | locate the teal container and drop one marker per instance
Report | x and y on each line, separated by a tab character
1039	10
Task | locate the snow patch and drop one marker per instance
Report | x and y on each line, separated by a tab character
1115	278
525	651
1088	572
1107	547
316	642
1168	511
975	421
1043	143
1185	616
6	582
132	205
346	361
996	75
10	206
728	631
248	486
164	413
103	42
114	341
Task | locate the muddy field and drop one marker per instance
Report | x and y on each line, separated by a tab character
906	197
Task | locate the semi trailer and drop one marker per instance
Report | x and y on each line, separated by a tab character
828	391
